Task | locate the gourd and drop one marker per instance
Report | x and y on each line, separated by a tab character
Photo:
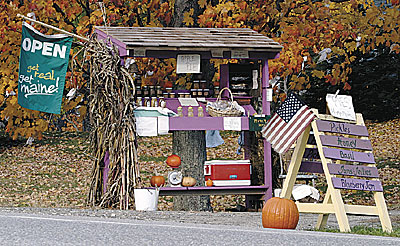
280	213
209	182
173	161
188	181
157	181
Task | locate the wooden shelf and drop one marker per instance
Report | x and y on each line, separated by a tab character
214	190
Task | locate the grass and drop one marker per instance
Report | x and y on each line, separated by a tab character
366	230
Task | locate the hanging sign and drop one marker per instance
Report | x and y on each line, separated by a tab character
257	122
341	106
239	54
188	64
42	68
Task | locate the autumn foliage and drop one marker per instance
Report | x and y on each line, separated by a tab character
313	33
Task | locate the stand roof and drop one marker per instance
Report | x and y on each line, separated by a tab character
164	42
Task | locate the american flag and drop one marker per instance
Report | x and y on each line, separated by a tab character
286	125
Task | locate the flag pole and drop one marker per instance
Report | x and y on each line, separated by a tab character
53	27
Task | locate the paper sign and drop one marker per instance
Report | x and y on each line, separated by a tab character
255	80
239	54
269	94
217	53
163	125
341	106
188	64
139	52
233	123
146	126
188	102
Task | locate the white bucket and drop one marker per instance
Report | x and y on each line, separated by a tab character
146	199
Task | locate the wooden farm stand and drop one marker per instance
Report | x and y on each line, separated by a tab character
344	150
209	43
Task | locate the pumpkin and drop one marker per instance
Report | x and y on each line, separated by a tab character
188	181
280	213
173	161
209	182
157	181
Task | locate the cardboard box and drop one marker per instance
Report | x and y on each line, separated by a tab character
228	172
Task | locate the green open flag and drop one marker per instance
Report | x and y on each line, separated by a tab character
43	65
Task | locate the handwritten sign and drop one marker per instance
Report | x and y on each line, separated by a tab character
348	155
341	106
342	142
239	54
342	128
217	53
188	64
42	69
353	170
357	184
256	123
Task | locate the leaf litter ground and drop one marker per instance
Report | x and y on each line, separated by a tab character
55	171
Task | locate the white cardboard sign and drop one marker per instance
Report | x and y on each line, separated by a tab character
188	64
341	106
233	123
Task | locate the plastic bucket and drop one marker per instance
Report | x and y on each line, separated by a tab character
146	199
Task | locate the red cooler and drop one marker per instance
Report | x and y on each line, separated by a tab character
228	172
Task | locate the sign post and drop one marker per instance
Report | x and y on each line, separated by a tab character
341	144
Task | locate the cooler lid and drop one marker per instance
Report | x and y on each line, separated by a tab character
227	162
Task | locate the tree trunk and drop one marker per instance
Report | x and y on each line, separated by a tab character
191	147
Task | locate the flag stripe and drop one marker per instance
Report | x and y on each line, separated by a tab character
267	128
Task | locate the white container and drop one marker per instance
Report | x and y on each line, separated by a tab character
146	199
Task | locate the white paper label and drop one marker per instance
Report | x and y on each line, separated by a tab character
146	126
238	54
188	64
139	52
233	123
255	80
341	106
269	94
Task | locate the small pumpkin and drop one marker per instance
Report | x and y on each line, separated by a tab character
280	213
188	181
173	161
209	182
157	181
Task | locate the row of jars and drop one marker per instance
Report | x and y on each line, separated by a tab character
156	91
150	102
190	113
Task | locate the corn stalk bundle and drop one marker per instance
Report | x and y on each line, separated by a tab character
111	109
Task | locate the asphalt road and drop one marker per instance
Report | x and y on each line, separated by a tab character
33	229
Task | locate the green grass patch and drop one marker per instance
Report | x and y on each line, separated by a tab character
366	230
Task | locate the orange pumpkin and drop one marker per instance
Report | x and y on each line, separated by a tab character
209	182
188	181
173	161
157	181
280	213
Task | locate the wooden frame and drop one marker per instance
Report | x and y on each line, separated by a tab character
333	202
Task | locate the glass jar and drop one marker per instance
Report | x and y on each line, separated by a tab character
203	84
159	91
206	92
180	111
200	111
139	102
190	111
193	92
196	84
147	102
152	91
200	92
138	91
145	91
216	91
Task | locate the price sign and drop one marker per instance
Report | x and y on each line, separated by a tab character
188	64
341	106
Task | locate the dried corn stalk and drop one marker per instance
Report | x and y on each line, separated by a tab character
111	109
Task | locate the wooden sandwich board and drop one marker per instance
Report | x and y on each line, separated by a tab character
346	159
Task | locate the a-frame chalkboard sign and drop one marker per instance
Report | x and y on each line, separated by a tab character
346	159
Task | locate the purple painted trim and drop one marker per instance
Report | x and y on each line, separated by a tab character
357	184
264	84
121	45
267	169
204	54
343	128
353	170
311	153
213	188
224	79
311	167
201	123
342	142
348	155
106	169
